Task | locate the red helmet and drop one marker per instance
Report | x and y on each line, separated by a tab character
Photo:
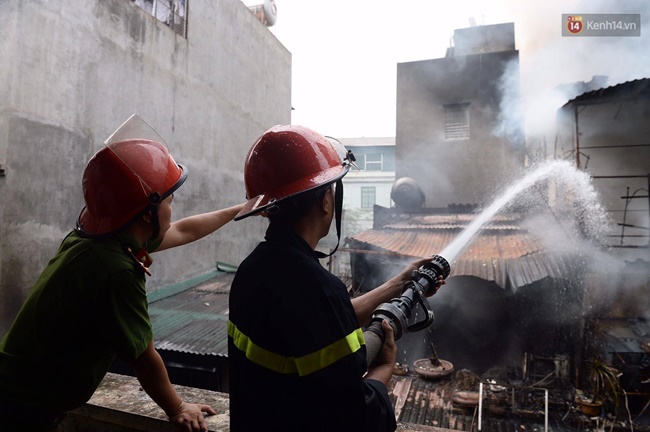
123	179
286	161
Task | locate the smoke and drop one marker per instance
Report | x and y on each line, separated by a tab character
549	62
511	118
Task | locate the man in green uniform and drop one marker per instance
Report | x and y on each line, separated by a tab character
90	302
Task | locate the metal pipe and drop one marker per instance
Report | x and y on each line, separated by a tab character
576	131
545	410
616	146
480	404
618	176
624	216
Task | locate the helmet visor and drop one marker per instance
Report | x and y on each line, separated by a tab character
155	162
134	127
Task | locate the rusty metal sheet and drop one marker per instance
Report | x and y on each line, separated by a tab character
503	252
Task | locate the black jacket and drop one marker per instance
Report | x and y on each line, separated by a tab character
295	348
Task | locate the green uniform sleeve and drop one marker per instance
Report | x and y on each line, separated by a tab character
130	328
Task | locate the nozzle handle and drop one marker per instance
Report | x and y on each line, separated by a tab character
373	346
375	337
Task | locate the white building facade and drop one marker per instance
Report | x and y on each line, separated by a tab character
369	185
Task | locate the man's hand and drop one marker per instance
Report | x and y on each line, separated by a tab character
388	352
440	282
364	305
189	417
407	274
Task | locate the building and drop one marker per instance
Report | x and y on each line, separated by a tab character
450	115
371	184
209	77
604	132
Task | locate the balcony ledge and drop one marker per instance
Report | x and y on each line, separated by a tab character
121	405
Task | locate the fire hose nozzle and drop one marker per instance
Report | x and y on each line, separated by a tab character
398	311
426	277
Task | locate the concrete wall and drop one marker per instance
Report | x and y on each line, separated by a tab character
470	170
484	39
73	71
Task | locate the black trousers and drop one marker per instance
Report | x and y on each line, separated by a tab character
20	418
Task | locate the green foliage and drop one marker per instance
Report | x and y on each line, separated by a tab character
605	385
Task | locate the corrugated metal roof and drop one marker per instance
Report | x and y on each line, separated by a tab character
419	401
629	89
502	252
195	320
452	221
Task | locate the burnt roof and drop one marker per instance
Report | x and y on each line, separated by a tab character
429	402
502	252
635	89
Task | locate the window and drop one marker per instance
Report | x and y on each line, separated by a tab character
374	162
367	196
170	12
457	121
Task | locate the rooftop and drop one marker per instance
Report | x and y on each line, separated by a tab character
634	89
194	321
503	252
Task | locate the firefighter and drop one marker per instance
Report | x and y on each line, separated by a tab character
90	302
295	347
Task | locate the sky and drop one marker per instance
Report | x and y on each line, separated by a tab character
345	53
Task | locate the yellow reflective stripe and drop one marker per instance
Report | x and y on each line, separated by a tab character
259	355
304	365
322	358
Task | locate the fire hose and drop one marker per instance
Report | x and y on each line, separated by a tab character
398	311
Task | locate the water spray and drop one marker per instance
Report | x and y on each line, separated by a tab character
398	311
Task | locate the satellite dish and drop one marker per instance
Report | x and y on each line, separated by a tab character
270	12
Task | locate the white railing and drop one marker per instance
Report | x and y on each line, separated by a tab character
170	12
